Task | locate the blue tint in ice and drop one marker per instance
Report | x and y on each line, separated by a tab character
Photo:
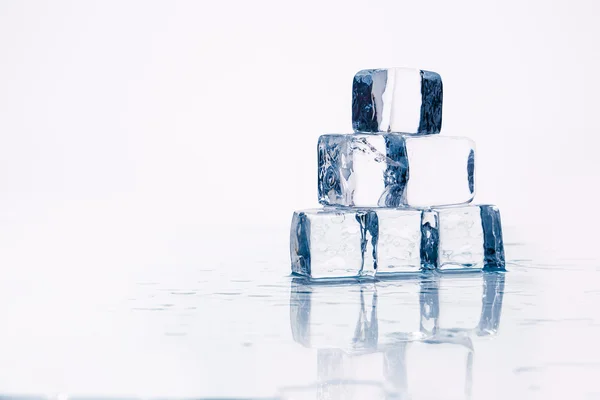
363	107
429	239
470	238
300	244
391	170
493	244
471	171
338	243
396	173
431	105
397	100
358	321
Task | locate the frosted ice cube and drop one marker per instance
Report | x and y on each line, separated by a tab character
345	243
470	238
397	100
390	170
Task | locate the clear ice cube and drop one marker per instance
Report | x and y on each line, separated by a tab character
470	238
346	243
391	170
397	100
338	243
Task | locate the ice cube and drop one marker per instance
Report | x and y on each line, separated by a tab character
397	100
349	242
338	243
391	170
470	238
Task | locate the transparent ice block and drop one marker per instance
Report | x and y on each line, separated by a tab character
397	100
391	170
345	243
470	238
338	243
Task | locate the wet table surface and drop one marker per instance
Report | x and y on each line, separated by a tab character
214	313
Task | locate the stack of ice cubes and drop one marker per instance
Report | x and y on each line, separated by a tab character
395	193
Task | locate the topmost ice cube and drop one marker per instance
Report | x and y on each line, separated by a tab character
402	100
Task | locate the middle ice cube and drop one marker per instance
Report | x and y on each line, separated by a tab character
392	170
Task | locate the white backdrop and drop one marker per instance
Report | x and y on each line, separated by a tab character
124	123
169	142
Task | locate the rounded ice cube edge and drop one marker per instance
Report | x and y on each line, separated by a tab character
476	228
365	243
397	99
395	170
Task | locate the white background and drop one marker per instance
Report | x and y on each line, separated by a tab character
148	139
121	122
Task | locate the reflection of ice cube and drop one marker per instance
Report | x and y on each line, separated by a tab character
372	316
449	359
397	100
370	170
370	350
356	318
335	390
401	371
337	316
399	311
335	369
465	306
